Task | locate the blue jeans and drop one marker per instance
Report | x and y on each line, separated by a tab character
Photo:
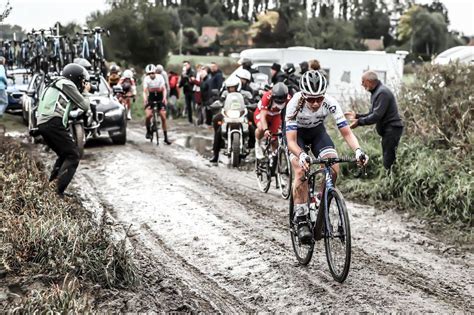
3	101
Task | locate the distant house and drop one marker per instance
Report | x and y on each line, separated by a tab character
208	36
373	44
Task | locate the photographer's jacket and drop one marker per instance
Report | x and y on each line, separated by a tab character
57	100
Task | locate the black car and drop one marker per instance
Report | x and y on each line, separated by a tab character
112	114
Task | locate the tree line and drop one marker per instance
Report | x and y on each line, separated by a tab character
145	31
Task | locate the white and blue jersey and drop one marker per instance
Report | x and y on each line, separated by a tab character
306	118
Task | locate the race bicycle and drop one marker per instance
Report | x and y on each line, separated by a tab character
155	122
328	220
276	163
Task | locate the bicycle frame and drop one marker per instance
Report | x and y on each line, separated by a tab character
328	187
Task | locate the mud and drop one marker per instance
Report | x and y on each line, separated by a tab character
207	240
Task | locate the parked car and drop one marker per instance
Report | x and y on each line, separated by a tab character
114	121
18	80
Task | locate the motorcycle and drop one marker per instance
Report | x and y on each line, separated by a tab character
235	126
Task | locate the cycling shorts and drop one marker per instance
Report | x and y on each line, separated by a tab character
318	140
161	106
273	122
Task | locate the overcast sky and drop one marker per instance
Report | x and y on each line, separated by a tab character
44	13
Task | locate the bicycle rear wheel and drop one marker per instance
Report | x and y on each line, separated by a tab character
338	243
156	128
303	252
262	170
284	173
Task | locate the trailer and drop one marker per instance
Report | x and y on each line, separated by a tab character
344	68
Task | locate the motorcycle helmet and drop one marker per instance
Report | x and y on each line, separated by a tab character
150	69
232	81
279	93
77	74
128	74
83	62
289	68
243	74
313	83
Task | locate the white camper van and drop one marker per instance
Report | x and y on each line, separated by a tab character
462	54
344	67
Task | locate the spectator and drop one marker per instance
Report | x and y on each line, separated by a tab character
206	94
173	79
161	70
384	113
3	87
187	77
216	77
314	64
197	95
277	74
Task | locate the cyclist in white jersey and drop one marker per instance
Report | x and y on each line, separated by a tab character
305	115
154	92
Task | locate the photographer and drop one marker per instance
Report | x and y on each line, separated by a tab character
56	101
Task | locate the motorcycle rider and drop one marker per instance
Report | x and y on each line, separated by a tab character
291	80
231	85
56	101
268	114
154	90
129	87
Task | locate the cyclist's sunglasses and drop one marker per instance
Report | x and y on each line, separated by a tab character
279	100
313	99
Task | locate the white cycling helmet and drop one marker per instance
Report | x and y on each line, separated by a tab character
313	83
232	81
159	69
150	69
243	74
128	74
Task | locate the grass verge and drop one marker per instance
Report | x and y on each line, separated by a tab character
53	241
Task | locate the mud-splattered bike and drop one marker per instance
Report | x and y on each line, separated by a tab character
329	220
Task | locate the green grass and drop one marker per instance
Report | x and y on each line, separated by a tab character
425	181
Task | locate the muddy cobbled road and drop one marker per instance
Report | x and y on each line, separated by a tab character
209	228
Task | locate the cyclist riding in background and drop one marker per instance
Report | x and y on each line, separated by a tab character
129	87
305	115
154	91
268	115
114	76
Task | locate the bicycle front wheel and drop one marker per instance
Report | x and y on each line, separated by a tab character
303	252
156	126
284	173
337	238
263	174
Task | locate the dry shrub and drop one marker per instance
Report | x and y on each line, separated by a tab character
42	234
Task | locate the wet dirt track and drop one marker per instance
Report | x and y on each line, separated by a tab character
228	244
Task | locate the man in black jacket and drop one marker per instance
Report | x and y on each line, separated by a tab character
187	77
277	74
216	77
383	113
